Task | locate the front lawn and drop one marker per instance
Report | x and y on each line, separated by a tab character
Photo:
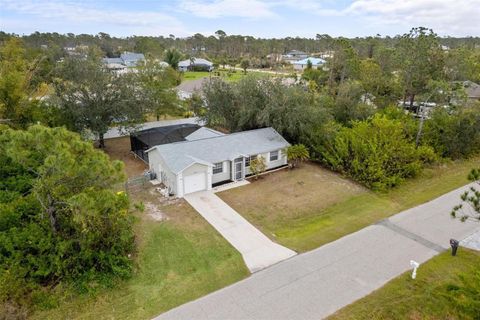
438	292
194	75
310	206
179	260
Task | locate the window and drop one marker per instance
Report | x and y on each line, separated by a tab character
217	167
248	159
274	155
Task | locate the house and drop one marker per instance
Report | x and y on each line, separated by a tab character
132	59
472	91
294	55
302	64
195	64
124	62
209	158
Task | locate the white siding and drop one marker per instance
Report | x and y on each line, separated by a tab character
282	160
157	165
225	175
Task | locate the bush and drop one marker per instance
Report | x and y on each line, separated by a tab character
60	219
375	152
454	135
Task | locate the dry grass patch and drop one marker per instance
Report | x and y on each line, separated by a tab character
307	207
279	198
119	149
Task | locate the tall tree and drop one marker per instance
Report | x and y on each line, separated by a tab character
157	83
420	59
19	97
90	97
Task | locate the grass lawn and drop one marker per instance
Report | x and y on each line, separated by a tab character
310	206
232	77
179	260
431	296
194	75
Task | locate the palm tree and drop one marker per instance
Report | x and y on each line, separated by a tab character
172	57
296	154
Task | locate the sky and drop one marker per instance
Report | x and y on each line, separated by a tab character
259	18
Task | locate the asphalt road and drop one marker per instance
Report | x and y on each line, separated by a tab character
314	285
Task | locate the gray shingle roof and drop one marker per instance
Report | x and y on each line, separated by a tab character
196	62
203	133
181	155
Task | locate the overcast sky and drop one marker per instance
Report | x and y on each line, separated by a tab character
260	18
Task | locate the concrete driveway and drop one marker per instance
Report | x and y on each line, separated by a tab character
318	283
257	250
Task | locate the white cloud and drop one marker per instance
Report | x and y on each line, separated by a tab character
72	13
453	17
254	9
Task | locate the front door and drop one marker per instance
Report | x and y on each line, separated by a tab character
239	169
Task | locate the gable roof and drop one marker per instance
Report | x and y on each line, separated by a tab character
314	61
180	155
472	89
203	133
129	59
132	56
196	62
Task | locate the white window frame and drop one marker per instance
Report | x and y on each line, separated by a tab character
249	159
217	168
274	154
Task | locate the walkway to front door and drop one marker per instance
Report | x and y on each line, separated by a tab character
257	250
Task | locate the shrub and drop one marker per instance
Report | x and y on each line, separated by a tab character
257	166
60	219
454	134
375	152
296	154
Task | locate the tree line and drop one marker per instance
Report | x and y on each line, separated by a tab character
223	48
365	117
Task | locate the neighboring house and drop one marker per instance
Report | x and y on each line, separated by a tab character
209	158
472	90
294	55
195	63
124	62
302	64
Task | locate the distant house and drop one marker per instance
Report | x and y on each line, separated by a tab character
472	91
208	157
294	55
195	64
302	64
125	61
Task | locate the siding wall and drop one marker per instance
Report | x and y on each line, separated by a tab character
196	168
157	165
225	175
282	160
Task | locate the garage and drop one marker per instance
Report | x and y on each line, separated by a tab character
194	182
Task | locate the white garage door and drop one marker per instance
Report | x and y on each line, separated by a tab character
195	182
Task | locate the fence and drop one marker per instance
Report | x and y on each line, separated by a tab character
136	183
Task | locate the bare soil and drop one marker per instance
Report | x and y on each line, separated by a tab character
119	149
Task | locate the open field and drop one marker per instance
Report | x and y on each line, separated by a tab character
430	296
310	206
179	259
119	149
224	74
